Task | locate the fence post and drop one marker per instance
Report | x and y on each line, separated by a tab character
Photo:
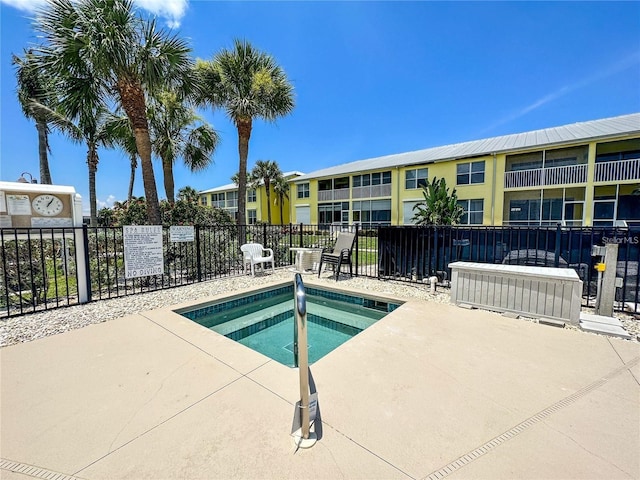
84	274
301	226
290	240
264	235
198	253
436	249
357	248
558	246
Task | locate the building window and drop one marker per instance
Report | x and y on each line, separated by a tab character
232	199
303	190
337	212
617	156
251	195
324	185
251	217
472	172
369	212
416	178
203	200
473	211
217	200
340	183
378	178
528	212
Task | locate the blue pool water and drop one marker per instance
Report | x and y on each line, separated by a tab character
264	321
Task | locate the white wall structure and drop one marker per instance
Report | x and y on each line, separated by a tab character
545	292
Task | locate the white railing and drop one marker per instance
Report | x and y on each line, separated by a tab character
617	170
328	195
537	177
371	191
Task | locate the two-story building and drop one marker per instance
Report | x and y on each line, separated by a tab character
226	198
580	174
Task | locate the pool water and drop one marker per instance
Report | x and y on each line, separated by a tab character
264	321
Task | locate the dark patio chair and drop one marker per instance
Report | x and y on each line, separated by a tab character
340	254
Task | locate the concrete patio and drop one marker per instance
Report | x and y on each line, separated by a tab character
430	391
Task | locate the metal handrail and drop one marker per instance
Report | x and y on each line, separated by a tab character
300	352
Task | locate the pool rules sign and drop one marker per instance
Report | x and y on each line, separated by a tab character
142	250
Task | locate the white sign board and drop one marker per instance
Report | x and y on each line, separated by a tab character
181	233
18	205
142	250
5	221
3	202
45	222
313	412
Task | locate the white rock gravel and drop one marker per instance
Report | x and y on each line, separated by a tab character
42	324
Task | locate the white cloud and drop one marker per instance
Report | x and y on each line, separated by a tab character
26	5
106	203
619	66
171	10
86	206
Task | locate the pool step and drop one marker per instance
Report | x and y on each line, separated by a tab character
280	310
284	310
347	318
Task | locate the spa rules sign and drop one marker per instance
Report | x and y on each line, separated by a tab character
142	250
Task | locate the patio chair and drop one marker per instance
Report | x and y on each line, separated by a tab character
340	254
254	254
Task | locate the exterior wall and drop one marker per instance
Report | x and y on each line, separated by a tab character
260	205
496	197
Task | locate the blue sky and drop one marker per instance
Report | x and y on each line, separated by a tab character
371	79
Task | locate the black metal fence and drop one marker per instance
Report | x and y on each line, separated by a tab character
48	268
416	253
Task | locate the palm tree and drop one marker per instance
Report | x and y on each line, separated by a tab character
35	86
95	127
188	194
247	84
281	189
175	134
265	171
128	55
82	114
439	206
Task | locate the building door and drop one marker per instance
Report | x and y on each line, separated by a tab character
303	214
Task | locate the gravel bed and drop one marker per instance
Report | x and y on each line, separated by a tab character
43	324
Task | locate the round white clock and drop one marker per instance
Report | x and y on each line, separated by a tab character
47	205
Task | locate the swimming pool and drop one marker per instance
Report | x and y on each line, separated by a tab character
263	321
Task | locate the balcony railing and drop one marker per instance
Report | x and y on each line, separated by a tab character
617	171
538	177
371	191
328	195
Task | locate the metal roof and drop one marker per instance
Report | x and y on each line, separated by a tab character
555	136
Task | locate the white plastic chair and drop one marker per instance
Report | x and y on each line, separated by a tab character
254	254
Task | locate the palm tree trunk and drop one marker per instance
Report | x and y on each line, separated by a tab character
133	102
143	143
167	170
244	134
132	176
43	149
92	162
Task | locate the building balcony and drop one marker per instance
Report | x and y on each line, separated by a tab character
617	171
370	191
538	177
330	195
